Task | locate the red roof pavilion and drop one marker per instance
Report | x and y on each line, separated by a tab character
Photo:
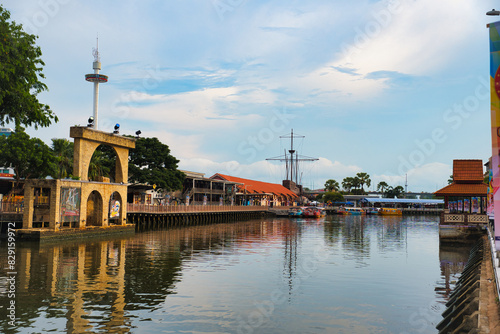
468	181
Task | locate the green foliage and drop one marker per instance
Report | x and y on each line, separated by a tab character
333	197
332	185
30	157
394	192
364	178
382	185
102	163
150	162
351	182
20	74
62	149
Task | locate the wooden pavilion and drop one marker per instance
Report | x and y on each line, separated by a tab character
467	193
464	201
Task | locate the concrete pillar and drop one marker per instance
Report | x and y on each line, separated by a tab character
28	205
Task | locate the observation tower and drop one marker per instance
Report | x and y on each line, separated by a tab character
96	78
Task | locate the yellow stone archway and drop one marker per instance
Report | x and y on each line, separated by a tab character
86	142
51	212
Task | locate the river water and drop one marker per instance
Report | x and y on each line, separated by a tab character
339	274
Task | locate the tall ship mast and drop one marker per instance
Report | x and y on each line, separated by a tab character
292	159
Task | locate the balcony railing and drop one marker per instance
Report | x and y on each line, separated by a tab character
11	208
464	218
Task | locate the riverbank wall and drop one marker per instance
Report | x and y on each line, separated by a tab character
473	306
153	221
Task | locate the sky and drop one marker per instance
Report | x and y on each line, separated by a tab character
396	89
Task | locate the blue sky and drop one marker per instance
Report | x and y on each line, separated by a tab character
390	88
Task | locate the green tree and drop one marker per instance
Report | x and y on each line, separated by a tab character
332	185
356	184
347	184
364	178
20	74
100	164
382	185
30	158
333	197
151	162
62	149
394	192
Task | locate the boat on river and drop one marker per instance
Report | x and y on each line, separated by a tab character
353	211
372	211
390	212
295	212
313	212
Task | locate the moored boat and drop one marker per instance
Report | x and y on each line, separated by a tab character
295	212
353	211
319	212
372	211
390	212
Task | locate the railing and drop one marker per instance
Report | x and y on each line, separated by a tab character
146	208
11	208
464	218
422	209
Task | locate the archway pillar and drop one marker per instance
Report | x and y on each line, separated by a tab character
88	139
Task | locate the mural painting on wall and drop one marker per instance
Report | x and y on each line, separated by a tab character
489	209
494	194
475	205
114	211
70	205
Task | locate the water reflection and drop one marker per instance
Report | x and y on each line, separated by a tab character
453	259
207	278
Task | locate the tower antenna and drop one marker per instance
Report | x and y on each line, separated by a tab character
96	78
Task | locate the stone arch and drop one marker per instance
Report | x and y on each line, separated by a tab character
116	208
113	177
86	142
94	209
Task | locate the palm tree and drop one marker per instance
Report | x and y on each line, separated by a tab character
382	185
63	151
364	178
347	183
332	185
356	182
98	166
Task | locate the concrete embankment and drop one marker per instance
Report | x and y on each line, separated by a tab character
151	221
473	305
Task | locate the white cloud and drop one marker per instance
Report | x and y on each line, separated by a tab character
191	111
429	177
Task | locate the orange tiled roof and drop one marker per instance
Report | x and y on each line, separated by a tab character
256	187
463	189
468	171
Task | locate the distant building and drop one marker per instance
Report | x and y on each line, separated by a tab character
6	131
251	192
